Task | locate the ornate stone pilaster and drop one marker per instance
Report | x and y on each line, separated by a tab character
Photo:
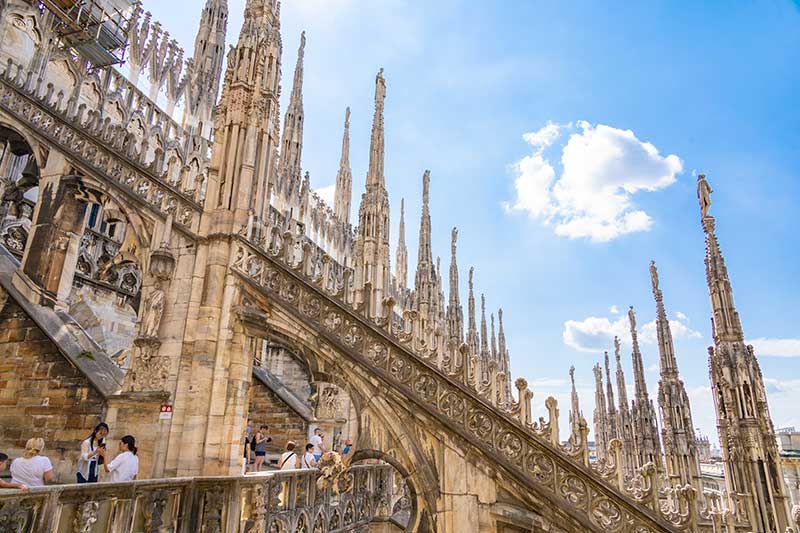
149	371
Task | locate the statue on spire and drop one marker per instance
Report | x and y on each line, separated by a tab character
654	276
704	194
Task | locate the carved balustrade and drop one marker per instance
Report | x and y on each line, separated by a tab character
279	269
102	149
281	502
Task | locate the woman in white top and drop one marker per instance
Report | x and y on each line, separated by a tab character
32	469
125	465
308	460
90	454
289	460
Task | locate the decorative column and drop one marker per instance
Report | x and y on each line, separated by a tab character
149	371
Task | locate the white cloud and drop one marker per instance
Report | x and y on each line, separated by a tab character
681	316
614	310
776	347
327	194
679	327
601	169
544	137
594	334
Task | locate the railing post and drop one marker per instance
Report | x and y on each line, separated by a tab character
232	511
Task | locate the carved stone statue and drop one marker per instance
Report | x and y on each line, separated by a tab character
151	315
654	275
703	194
329	404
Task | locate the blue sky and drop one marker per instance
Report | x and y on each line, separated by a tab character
561	238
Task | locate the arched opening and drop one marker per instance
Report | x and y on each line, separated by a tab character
107	285
403	510
293	399
19	189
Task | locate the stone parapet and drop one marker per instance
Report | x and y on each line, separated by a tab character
288	500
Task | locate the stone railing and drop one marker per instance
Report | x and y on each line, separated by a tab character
286	274
102	149
280	502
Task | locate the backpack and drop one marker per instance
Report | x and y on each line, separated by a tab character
253	443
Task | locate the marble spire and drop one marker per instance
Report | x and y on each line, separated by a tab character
472	328
643	414
600	415
455	314
746	433
624	422
677	430
575	414
372	278
344	177
292	140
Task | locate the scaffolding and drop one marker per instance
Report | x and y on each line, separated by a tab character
96	29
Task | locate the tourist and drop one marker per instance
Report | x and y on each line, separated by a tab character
348	445
308	457
32	469
125	465
261	440
91	456
247	438
319	446
5	484
289	460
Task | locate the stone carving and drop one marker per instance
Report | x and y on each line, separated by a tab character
151	313
703	195
334	474
213	502
149	371
329	402
15	514
85	516
153	510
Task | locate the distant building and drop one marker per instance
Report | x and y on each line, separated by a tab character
703	447
789	448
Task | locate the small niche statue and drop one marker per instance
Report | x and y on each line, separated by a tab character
152	312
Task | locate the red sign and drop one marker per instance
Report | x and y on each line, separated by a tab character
166	412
